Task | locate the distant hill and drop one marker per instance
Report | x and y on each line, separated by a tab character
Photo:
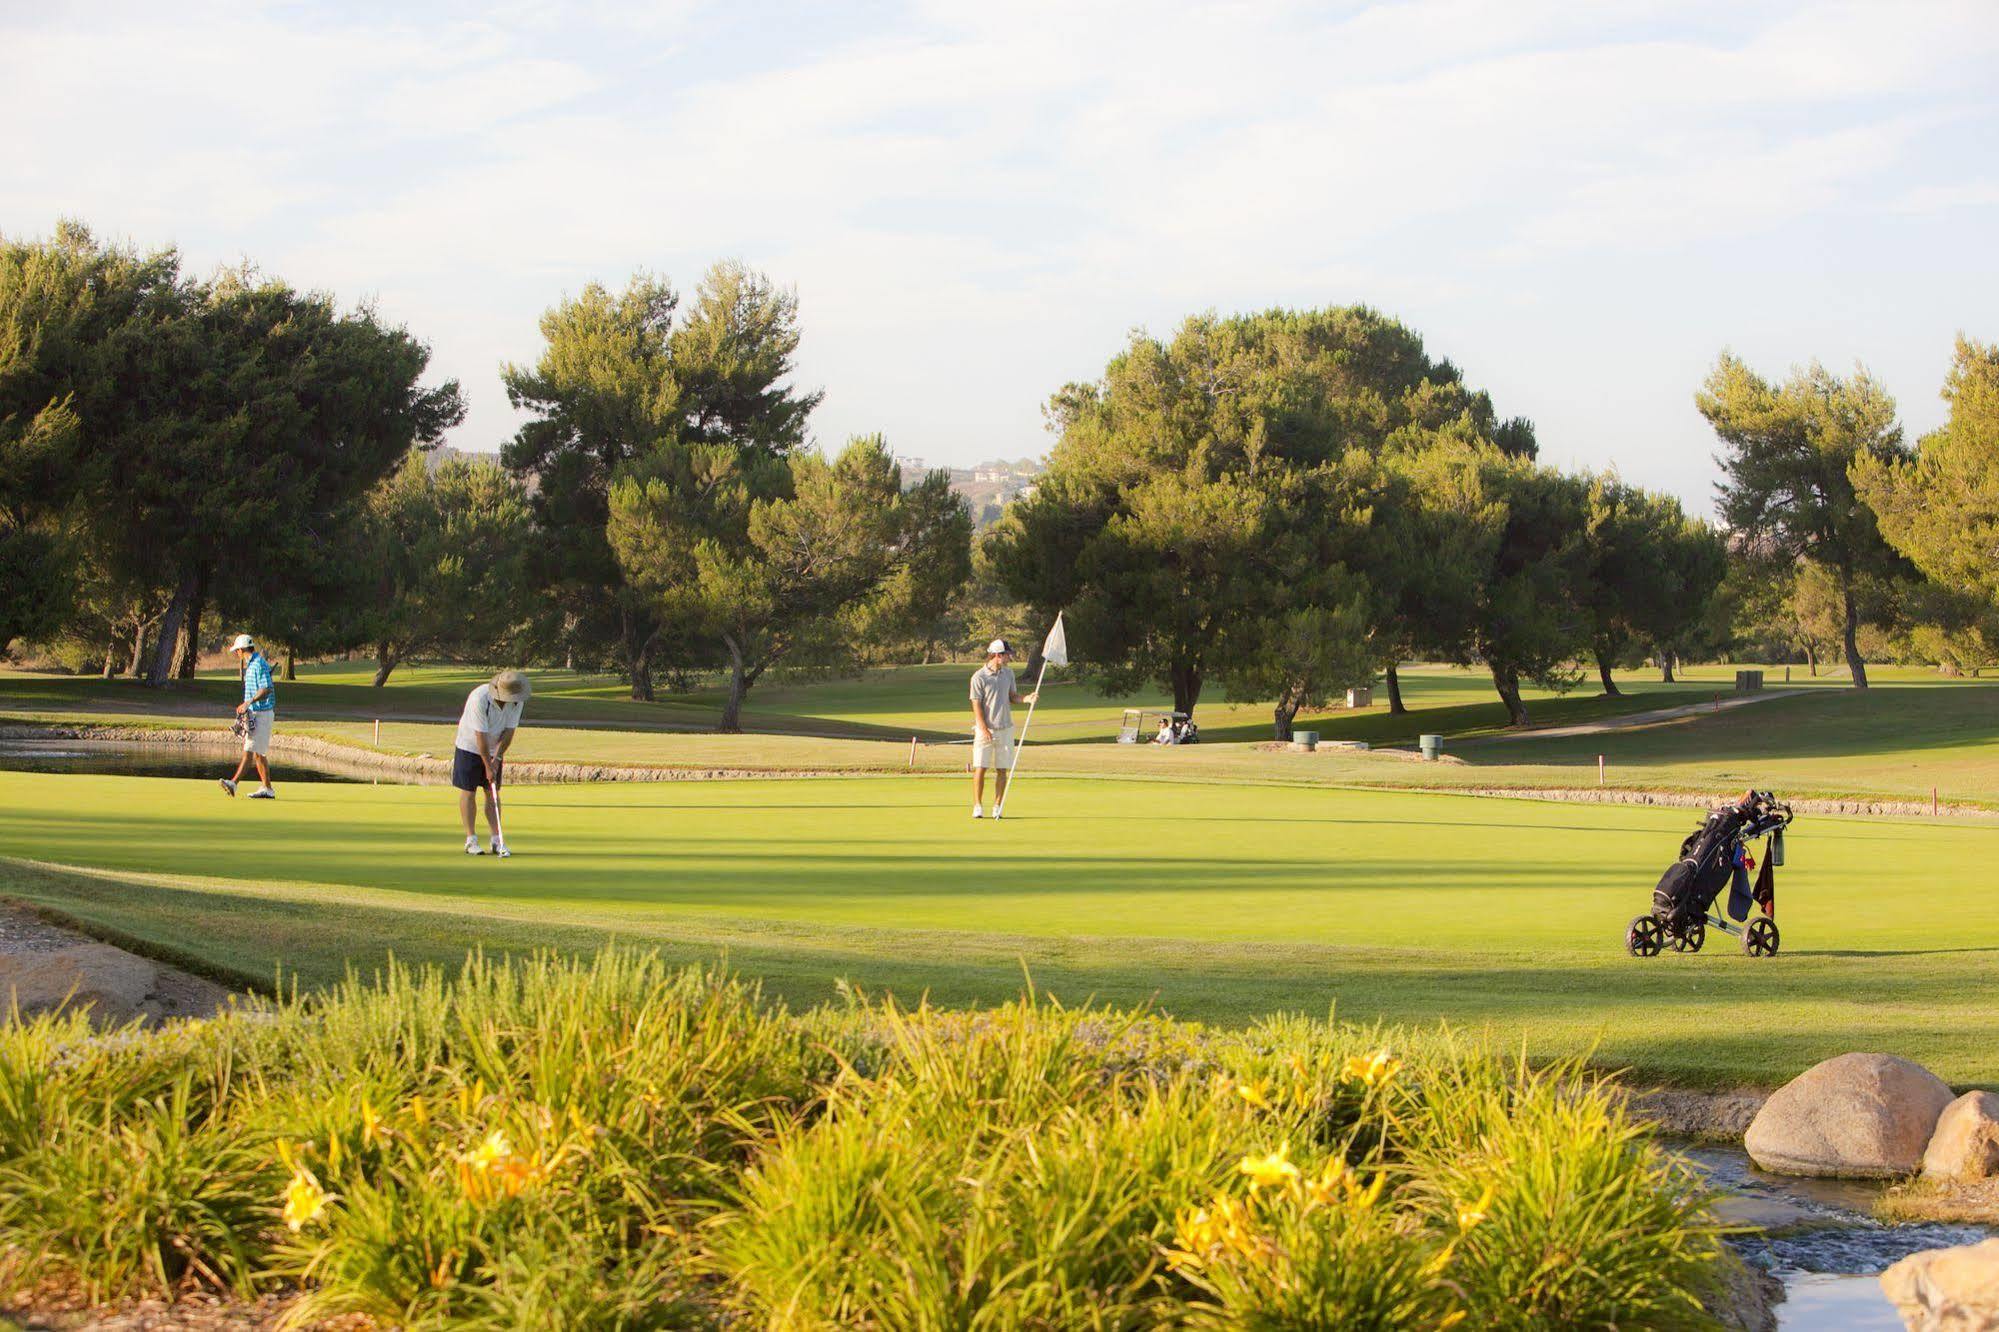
988	487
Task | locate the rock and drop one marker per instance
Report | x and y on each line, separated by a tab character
111	983
1965	1144
1947	1290
114	985
1858	1116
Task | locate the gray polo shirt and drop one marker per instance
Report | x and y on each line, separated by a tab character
995	690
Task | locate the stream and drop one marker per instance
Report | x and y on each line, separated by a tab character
1823	1241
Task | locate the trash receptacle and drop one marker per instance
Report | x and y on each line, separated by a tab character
1431	745
1304	739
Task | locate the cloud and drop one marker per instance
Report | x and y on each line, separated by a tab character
975	202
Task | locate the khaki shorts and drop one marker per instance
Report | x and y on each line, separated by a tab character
258	741
994	753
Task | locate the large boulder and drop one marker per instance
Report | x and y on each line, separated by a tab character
114	986
110	982
1965	1144
1947	1290
1859	1116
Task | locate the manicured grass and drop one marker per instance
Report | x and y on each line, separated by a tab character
1226	903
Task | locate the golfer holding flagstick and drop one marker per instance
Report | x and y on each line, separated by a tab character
993	697
485	729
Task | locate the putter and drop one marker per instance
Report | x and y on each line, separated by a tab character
499	825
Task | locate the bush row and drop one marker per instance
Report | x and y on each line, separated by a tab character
616	1143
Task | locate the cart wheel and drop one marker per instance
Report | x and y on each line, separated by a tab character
1759	937
1690	939
1645	937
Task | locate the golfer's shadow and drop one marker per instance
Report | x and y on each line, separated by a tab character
1885	952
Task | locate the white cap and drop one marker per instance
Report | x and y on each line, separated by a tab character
999	645
242	644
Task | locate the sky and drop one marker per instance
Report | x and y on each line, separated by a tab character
1580	203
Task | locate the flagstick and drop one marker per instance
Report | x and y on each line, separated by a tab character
1021	743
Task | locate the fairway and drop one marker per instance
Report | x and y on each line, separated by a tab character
1223	902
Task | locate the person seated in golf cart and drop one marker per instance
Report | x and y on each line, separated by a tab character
1167	734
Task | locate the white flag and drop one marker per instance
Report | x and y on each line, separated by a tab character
1056	650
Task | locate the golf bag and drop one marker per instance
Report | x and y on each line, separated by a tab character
1715	855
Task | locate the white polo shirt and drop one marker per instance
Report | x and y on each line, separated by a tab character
488	715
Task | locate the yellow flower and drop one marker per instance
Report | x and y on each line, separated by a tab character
1333	1181
1374	1069
1472	1215
419	1112
305	1200
1255	1093
371	1125
1275	1168
494	1150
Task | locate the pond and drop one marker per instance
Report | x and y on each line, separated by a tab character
119	758
1824	1242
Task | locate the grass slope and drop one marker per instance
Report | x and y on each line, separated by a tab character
1224	903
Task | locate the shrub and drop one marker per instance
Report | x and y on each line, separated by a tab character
615	1142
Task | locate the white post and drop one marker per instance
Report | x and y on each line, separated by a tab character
1000	808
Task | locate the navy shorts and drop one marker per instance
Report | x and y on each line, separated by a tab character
468	770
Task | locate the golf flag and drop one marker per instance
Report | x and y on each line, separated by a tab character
1055	651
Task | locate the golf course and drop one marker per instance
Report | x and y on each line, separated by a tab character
1220	882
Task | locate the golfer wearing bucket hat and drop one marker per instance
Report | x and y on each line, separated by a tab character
993	697
485	729
256	715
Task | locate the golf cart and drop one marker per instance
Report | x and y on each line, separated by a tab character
1141	725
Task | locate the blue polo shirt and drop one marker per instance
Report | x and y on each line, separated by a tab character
256	678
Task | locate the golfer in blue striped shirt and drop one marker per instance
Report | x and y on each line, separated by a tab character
258	710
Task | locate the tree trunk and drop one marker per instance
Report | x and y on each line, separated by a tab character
1394	682
1186	688
110	659
1507	681
1286	712
138	662
1850	632
1666	663
162	669
1811	659
1610	689
291	665
190	636
732	707
385	662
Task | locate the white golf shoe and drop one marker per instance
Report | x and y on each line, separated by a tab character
500	849
228	787
978	811
263	793
472	847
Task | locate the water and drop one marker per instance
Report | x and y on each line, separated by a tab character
132	759
1823	1241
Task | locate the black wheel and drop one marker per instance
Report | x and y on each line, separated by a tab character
1646	936
1759	937
1690	939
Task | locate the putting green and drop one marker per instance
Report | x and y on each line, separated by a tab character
1226	902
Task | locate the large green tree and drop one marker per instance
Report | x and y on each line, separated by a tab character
1789	452
66	303
242	422
1940	508
1198	496
765	557
447	551
1530	622
623	387
1651	573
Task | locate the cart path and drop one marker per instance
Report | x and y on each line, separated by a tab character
1629	720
